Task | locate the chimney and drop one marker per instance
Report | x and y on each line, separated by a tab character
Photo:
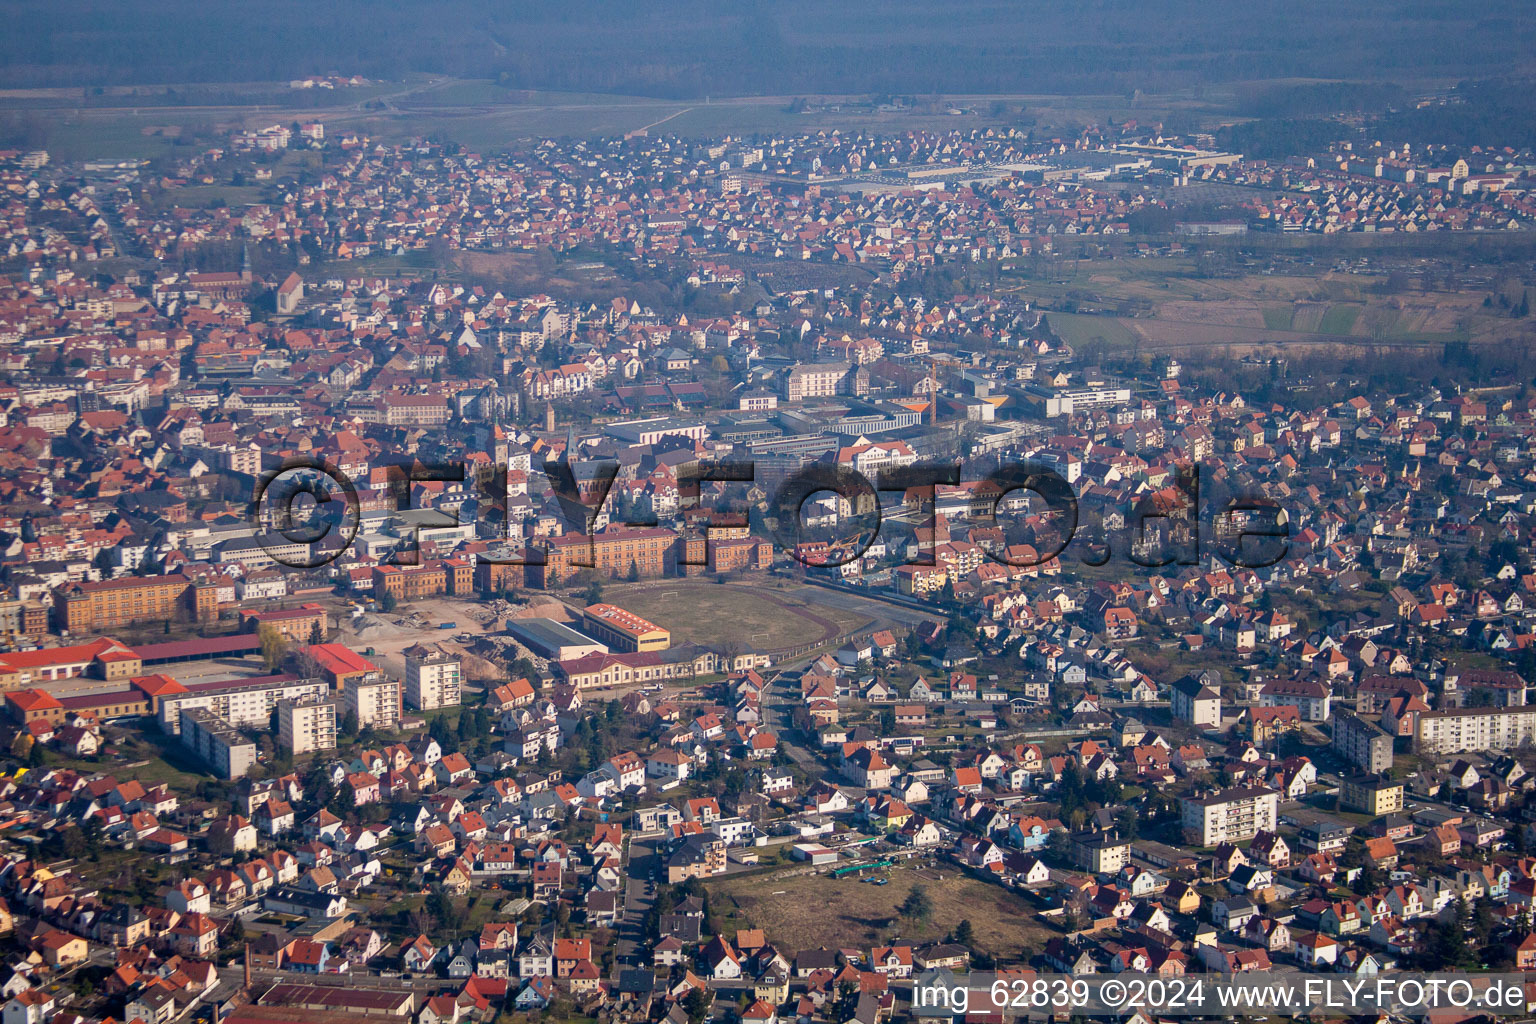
247	978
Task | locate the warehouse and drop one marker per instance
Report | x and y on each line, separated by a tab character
552	640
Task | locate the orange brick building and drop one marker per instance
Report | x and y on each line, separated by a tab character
714	554
493	577
652	552
106	604
412	582
612	552
295	624
341	665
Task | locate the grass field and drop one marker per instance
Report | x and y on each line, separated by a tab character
712	614
1079	329
815	910
1340	319
143	763
1277	318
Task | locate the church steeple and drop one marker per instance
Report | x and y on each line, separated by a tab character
245	263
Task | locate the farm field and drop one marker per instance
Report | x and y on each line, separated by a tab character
1161	304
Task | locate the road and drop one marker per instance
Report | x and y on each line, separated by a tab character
639	896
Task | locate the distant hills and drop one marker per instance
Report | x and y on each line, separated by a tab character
694	48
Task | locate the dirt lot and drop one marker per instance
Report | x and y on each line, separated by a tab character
815	910
411	623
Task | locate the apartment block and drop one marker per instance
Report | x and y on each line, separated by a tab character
225	749
375	700
306	726
240	702
1100	852
1230	816
817	380
1458	730
1192	700
432	678
1362	743
1371	794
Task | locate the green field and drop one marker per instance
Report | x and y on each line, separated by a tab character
1340	319
1078	329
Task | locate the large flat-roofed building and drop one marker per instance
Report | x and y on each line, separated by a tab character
225	749
240	702
623	630
326	999
432	678
1455	731
1362	743
552	640
1230	815
1066	401
306	726
649	431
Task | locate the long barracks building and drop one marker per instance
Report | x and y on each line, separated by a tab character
651	552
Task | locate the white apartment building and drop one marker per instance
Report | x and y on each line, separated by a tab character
240	702
1230	816
734	831
432	678
1457	730
305	726
374	699
1066	401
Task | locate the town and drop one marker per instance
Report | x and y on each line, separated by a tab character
404	617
